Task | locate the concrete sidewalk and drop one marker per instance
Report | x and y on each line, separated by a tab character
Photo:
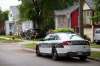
25	42
95	49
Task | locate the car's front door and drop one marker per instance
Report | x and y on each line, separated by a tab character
46	45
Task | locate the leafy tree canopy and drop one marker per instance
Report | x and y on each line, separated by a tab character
3	16
41	11
96	17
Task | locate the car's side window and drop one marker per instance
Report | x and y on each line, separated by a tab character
56	37
52	37
49	37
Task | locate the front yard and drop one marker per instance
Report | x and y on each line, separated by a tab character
9	39
95	46
95	55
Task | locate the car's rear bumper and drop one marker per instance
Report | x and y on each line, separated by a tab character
74	54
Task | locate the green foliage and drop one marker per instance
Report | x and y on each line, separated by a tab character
95	54
96	17
26	10
42	11
63	30
3	16
95	46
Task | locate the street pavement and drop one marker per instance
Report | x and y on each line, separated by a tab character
15	55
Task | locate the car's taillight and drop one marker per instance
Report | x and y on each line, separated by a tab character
67	43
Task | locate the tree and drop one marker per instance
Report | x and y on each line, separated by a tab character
96	17
41	11
81	28
3	16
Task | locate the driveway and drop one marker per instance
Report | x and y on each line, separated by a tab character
14	55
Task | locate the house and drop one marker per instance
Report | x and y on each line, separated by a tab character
10	25
68	18
88	12
13	26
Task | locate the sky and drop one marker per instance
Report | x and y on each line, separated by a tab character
5	4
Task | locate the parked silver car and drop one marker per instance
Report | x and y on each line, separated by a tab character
97	35
63	44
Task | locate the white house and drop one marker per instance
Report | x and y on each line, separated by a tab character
88	10
10	25
26	25
13	25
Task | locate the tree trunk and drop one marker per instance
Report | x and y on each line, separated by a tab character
92	28
37	17
81	27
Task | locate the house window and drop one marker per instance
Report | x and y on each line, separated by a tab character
88	13
62	21
11	26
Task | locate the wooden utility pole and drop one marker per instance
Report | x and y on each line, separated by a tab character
81	26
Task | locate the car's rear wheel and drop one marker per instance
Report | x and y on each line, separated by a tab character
54	55
38	51
83	58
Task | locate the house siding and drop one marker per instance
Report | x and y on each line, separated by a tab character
2	30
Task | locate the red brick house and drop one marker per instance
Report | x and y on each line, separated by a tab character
2	27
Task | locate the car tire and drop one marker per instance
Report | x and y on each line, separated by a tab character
54	55
38	51
83	58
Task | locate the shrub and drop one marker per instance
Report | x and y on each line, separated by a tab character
64	30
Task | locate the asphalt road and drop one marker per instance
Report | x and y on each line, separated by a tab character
14	55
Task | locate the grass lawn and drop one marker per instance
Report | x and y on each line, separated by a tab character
95	55
95	46
8	39
31	45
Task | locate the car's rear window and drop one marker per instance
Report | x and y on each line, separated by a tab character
70	37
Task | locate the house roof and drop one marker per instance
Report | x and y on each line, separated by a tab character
66	11
90	3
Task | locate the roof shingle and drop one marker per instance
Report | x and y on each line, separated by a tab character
90	3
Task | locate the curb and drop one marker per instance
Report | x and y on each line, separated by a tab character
94	59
